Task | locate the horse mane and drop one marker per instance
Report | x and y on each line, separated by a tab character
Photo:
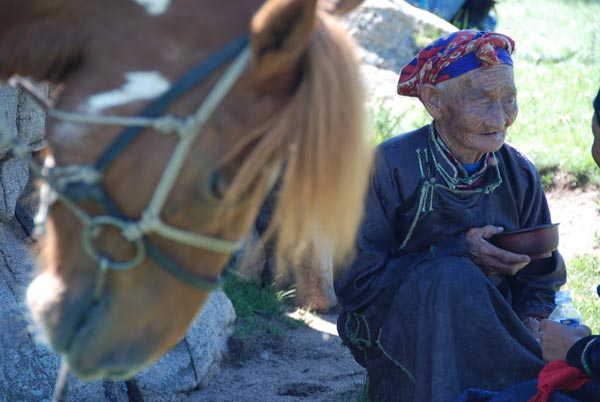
319	138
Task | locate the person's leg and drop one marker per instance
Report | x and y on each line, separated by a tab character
450	329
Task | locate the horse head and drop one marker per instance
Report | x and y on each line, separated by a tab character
150	212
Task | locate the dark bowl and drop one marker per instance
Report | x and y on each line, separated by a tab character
537	242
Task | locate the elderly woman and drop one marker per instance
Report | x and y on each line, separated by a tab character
430	306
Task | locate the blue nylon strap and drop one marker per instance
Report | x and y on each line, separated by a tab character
192	78
167	263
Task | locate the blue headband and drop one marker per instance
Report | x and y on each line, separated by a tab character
470	62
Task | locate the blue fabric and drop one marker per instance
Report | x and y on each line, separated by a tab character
473	167
449	9
524	391
470	62
445	9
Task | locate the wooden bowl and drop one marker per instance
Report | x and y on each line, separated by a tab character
537	242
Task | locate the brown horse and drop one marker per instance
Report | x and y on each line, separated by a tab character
149	218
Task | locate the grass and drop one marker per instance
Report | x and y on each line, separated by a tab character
558	74
584	274
260	310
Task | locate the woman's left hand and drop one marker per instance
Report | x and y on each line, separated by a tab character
489	258
558	338
533	326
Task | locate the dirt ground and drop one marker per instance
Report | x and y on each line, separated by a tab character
309	364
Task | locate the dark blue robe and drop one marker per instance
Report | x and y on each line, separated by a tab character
423	319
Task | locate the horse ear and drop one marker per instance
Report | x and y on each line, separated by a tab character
281	30
339	7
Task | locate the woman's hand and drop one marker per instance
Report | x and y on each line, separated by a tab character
491	259
558	338
533	326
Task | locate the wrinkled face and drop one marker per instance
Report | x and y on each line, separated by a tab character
476	110
596	143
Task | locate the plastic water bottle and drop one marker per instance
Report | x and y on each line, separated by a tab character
565	312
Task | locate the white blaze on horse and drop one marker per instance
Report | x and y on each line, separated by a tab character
154	201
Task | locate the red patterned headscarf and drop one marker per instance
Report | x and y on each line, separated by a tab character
454	55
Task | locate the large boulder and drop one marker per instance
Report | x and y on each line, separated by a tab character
389	33
193	362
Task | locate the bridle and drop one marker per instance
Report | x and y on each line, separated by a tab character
74	183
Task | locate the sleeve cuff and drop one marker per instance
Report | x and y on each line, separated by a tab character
575	355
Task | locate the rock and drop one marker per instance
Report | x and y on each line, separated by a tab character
28	368
195	359
390	33
20	118
14	175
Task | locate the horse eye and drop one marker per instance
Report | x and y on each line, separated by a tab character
215	186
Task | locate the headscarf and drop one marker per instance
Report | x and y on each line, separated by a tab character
454	55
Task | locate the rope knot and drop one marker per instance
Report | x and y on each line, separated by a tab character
132	231
167	125
65	175
136	230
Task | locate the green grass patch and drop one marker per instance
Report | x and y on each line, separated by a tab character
260	310
388	123
584	274
557	73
